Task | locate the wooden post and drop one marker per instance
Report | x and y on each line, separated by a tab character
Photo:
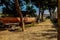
58	19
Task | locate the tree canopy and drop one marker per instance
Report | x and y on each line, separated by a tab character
45	4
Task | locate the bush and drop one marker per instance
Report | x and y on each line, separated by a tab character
54	20
48	17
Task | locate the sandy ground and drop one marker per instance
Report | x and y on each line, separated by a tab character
41	31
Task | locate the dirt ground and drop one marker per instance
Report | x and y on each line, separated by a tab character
41	31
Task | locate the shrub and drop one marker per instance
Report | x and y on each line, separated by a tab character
54	20
48	17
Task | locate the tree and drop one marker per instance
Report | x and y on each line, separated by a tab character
30	10
37	4
52	4
6	3
42	6
10	8
45	4
14	7
20	14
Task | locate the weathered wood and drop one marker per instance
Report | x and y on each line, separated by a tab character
59	12
13	20
59	19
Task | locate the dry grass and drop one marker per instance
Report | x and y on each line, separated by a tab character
38	32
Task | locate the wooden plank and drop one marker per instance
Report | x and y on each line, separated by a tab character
59	22
59	12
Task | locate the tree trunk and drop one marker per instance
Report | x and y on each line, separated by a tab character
20	14
53	16
7	9
38	19
50	13
39	12
42	14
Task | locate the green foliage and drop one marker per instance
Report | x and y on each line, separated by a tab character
31	11
29	25
48	17
45	3
27	1
54	20
10	7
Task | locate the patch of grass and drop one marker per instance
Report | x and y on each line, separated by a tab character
29	25
48	17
